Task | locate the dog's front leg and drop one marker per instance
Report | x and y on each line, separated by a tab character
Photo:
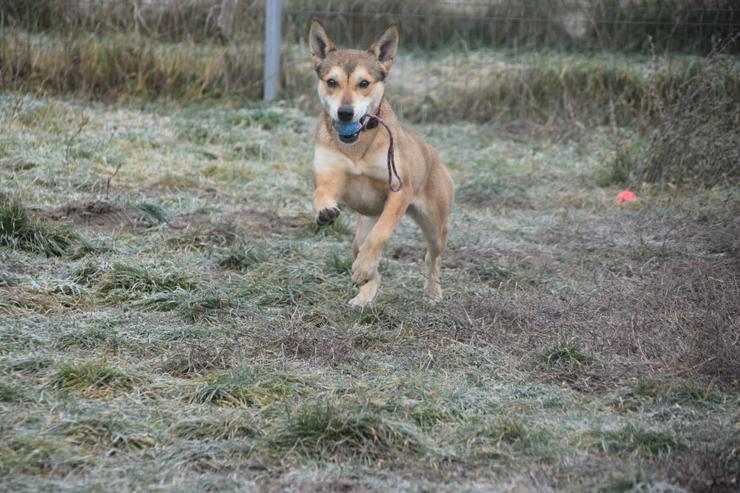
329	187
365	267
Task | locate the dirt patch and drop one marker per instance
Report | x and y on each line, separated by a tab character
329	351
406	253
229	227
499	268
195	359
96	214
481	199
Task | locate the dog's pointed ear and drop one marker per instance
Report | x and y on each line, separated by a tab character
321	43
385	47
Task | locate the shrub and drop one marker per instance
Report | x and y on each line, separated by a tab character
695	138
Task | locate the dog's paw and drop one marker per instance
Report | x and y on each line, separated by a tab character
433	292
363	270
367	293
327	216
361	300
433	295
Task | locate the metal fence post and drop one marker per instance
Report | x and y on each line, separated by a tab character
273	18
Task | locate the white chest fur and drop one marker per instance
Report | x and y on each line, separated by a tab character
328	160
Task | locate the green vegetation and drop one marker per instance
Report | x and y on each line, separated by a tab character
629	439
248	386
168	304
19	230
91	377
324	431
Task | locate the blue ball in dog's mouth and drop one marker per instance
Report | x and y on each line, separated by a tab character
347	129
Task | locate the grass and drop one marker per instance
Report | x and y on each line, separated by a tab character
27	455
241	257
104	432
483	86
248	386
10	393
19	230
221	428
581	344
121	281
633	439
567	355
689	137
93	376
324	431
123	66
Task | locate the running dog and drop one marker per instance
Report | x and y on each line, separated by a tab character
366	159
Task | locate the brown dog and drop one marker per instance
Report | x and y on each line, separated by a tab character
352	161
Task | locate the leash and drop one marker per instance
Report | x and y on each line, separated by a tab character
375	119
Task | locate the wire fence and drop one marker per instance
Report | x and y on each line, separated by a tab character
477	48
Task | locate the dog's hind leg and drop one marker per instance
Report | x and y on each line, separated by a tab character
434	225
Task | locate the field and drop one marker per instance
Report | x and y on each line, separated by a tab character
171	319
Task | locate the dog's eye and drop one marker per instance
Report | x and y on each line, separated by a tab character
364	84
331	83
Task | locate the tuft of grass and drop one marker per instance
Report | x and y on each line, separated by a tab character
123	282
92	377
241	257
153	212
504	439
105	432
263	118
19	230
339	263
195	304
651	392
219	428
176	182
197	358
567	355
382	316
500	276
11	393
430	412
631	438
222	234
325	431
22	299
275	285
87	339
249	386
32	455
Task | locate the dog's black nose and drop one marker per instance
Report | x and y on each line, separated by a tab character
345	113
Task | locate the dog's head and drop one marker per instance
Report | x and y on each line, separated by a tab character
351	82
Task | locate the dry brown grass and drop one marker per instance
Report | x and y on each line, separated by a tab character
695	138
121	66
601	24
